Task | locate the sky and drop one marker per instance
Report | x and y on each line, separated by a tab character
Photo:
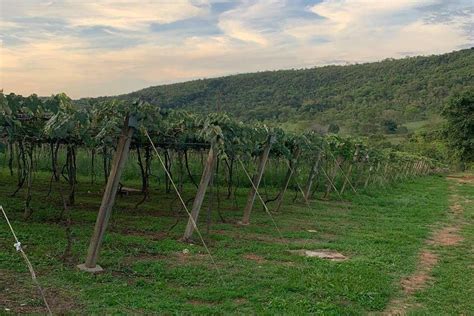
108	47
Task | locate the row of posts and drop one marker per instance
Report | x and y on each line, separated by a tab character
120	158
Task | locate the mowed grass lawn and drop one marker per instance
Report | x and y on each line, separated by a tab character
148	270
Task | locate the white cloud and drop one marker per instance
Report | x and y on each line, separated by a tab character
50	56
366	30
127	14
349	16
237	30
122	14
250	21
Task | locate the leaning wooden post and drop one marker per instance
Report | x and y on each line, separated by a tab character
108	199
289	174
401	171
412	169
425	168
407	170
417	168
366	183
428	168
256	181
349	172
385	173
201	192
312	175
332	177
376	176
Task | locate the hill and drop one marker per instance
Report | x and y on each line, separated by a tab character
362	98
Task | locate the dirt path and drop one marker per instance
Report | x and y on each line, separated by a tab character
446	236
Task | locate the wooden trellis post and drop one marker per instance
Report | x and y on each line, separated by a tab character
201	192
421	168
108	199
376	172
427	168
366	183
410	169
312	174
402	171
332	177
349	172
385	173
289	174
417	168
256	181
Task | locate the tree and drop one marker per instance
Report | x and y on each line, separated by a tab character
459	128
390	126
402	90
333	128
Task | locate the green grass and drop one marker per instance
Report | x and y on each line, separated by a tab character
381	231
434	120
452	290
416	125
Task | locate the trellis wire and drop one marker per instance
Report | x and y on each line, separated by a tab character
261	199
293	170
18	247
185	207
342	171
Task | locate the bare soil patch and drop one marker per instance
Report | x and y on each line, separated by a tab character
240	301
199	303
261	260
20	296
254	257
399	307
323	254
463	179
448	236
184	258
456	209
427	260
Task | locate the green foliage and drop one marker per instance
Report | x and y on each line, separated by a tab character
390	126
429	143
459	129
99	122
333	128
67	123
355	96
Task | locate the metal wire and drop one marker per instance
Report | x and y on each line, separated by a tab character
261	199
18	247
185	207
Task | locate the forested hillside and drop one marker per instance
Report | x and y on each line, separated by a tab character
361	97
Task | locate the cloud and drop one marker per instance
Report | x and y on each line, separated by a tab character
352	16
91	48
251	21
364	30
121	14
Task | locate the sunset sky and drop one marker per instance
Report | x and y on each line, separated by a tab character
107	47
